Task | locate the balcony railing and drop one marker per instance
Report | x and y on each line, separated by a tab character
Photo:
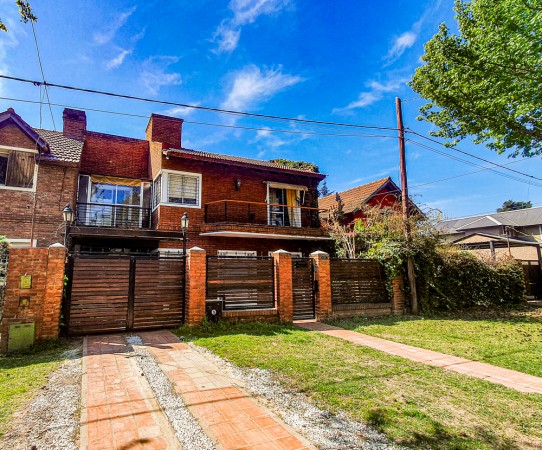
114	216
254	213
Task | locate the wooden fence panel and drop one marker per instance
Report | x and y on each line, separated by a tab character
357	281
243	282
99	295
158	293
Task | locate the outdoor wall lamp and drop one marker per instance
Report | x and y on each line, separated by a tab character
67	213
238	184
184	227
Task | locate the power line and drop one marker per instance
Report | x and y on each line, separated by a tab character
203	108
43	75
474	156
511	177
273	130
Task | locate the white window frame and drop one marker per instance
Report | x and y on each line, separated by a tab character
300	193
6	149
164	186
222	253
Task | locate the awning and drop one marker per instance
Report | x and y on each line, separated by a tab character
286	186
116	181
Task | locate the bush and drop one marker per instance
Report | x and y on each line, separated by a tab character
455	279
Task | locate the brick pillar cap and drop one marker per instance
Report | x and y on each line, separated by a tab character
195	249
319	253
281	251
57	245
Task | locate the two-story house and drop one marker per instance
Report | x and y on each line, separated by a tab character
38	177
129	194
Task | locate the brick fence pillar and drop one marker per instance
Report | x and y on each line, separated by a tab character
38	302
398	304
322	276
283	285
196	285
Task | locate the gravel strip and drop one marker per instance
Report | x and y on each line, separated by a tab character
325	429
51	420
187	429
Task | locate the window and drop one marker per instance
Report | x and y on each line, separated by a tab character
294	254
17	169
182	189
284	205
156	191
177	189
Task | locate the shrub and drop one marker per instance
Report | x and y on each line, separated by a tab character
456	279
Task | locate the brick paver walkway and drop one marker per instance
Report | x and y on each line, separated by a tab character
510	378
119	410
230	417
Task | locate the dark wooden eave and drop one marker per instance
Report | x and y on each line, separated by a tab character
11	116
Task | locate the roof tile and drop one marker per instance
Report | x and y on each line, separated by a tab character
62	148
352	199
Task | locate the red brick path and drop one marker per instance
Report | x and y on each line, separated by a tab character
230	417
510	378
119	410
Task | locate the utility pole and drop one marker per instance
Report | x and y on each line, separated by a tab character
405	205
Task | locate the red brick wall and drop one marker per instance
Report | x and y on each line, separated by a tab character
164	129
75	123
56	187
218	183
12	136
115	156
46	265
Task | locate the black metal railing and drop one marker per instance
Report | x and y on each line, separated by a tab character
255	213
114	216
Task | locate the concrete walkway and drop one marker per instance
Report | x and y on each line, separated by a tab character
119	410
510	378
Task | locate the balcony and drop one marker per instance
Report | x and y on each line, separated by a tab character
112	216
261	220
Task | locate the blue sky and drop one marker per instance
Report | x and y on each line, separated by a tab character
341	61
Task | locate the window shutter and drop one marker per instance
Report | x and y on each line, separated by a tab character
20	171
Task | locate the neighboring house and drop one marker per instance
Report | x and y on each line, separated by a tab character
129	194
38	177
383	193
516	233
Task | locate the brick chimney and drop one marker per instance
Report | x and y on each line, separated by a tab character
75	124
164	129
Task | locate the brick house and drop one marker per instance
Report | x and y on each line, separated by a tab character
383	193
129	194
38	177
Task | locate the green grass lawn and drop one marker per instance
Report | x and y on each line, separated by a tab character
511	339
22	374
415	405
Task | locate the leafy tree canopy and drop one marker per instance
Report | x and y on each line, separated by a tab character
25	11
510	205
485	81
324	190
303	165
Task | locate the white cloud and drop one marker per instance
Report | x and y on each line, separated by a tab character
115	25
251	85
375	92
400	45
8	42
154	73
118	60
180	111
244	12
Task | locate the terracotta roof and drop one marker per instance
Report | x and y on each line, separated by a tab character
354	198
62	148
243	161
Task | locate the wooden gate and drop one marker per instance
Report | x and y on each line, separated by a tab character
357	281
108	293
303	288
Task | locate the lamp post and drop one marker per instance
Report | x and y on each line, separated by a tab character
184	228
67	212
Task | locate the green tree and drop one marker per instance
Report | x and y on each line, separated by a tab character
324	190
510	205
485	81
303	165
25	11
